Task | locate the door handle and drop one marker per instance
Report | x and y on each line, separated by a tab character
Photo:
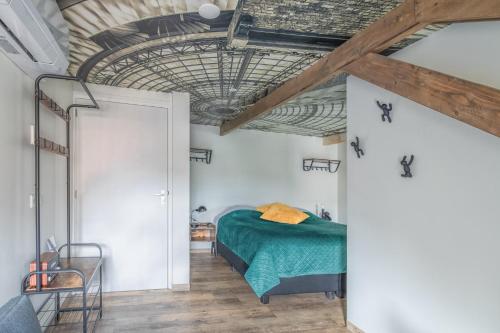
162	197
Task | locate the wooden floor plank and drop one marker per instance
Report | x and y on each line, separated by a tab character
219	301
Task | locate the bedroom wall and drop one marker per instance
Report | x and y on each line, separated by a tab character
252	167
17	219
422	251
179	130
342	183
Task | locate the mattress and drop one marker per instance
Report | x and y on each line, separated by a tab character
275	250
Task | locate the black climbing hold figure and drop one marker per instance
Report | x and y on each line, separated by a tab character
358	150
386	109
406	167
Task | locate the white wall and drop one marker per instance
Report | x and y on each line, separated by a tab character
423	251
179	129
17	219
342	183
252	168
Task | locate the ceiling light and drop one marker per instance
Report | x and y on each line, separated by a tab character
209	11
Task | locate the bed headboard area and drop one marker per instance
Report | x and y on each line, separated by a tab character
238	207
231	209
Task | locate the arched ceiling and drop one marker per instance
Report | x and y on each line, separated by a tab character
226	64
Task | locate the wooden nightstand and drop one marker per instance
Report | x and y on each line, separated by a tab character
204	232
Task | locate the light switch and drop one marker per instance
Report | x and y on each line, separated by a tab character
32	200
32	134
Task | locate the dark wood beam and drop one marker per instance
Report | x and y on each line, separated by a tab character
469	102
396	25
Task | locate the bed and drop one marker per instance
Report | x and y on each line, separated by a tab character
280	259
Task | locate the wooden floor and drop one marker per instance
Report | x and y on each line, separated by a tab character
219	301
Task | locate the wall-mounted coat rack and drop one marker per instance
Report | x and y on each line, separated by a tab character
78	280
50	104
43	143
52	147
200	155
320	164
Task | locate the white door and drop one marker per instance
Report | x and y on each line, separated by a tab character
120	178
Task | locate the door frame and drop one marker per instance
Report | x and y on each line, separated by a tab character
134	97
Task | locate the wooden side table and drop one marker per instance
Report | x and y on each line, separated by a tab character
204	232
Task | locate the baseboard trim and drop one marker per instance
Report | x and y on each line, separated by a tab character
181	287
353	328
201	251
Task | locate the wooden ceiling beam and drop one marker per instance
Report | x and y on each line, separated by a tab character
406	19
448	11
334	139
469	102
391	28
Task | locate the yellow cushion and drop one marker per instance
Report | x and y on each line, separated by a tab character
264	208
284	214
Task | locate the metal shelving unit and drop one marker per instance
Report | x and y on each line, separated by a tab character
65	319
75	292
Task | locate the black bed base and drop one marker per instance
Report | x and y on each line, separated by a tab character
330	284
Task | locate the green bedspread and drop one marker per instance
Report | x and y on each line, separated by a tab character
274	250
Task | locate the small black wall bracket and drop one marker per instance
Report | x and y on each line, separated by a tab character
358	150
406	166
200	155
321	164
386	109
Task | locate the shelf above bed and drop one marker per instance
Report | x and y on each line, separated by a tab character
200	155
320	164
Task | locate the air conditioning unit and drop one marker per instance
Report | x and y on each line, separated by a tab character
34	35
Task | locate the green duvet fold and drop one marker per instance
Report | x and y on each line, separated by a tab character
275	250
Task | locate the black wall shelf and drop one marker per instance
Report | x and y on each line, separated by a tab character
200	155
320	164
